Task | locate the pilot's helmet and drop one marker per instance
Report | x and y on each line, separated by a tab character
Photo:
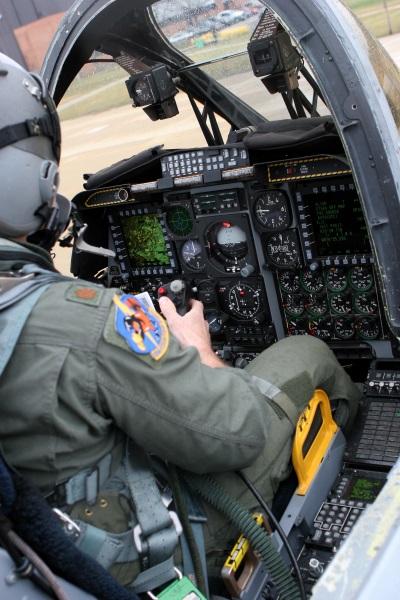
29	155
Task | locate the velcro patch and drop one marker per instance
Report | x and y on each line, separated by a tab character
84	294
141	326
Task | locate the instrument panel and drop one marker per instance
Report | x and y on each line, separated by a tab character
285	253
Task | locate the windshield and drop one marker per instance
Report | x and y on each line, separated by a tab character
218	42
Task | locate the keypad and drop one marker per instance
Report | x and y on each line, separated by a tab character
380	439
335	520
201	161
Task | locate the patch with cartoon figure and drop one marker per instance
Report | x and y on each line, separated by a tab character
143	328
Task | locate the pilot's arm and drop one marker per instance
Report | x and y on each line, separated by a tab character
174	403
191	330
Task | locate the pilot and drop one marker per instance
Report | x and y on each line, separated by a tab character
94	409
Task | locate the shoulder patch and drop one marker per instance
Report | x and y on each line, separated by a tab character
144	330
84	294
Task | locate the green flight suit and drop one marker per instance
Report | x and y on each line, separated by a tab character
73	387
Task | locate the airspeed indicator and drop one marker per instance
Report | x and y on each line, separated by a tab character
271	210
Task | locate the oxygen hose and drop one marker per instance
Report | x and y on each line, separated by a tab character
184	519
241	518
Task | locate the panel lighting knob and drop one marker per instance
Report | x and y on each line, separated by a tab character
247	270
315	568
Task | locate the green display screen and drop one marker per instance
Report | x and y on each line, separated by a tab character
338	223
364	488
145	241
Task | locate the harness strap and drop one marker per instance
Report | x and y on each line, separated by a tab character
12	323
277	398
155	533
158	529
86	484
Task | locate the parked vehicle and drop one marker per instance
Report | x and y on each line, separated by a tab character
229	17
181	37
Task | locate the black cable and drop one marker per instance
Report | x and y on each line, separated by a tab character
238	515
278	528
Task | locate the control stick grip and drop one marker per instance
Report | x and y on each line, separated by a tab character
178	292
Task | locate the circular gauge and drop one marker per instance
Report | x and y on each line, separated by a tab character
312	281
320	328
206	293
191	255
214	321
297	326
227	242
179	220
289	281
361	278
143	92
271	210
316	304
336	279
343	328
244	300
282	249
365	303
367	328
232	241
294	304
340	304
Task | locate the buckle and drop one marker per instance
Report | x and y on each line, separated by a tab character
69	526
10	279
137	531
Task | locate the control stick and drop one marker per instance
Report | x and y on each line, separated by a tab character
179	292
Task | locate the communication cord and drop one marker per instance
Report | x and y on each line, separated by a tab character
241	518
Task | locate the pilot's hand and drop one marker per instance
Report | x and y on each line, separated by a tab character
191	329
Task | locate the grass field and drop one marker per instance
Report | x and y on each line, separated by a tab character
382	17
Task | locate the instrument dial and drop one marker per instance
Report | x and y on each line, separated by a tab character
297	326
317	304
206	292
294	304
244	300
227	243
344	328
271	210
367	328
283	250
336	279
179	220
289	281
340	304
312	281
143	92
214	321
191	255
361	278
365	303
321	328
